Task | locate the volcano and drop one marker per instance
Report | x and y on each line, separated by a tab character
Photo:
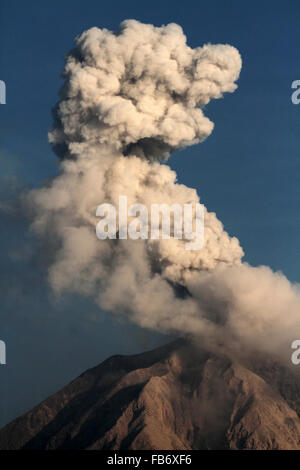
176	397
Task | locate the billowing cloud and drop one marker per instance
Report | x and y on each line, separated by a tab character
140	91
130	99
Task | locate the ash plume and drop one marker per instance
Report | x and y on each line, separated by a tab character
129	100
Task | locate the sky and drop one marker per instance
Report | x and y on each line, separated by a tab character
247	171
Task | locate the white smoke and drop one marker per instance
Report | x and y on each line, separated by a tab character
140	91
129	100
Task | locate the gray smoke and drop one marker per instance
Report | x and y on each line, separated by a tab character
129	100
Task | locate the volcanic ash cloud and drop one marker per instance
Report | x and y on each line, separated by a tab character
128	101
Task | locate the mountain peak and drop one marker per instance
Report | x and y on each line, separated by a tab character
178	396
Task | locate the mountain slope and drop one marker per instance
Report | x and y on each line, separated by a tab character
175	397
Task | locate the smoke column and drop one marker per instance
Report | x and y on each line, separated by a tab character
129	100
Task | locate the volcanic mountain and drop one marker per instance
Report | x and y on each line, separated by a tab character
174	397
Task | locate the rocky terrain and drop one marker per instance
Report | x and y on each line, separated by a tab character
175	397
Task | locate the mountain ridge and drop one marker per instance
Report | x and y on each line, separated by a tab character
178	396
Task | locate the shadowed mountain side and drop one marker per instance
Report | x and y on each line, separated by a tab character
175	397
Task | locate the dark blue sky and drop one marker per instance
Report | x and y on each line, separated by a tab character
247	171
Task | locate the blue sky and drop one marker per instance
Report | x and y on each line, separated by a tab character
247	171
